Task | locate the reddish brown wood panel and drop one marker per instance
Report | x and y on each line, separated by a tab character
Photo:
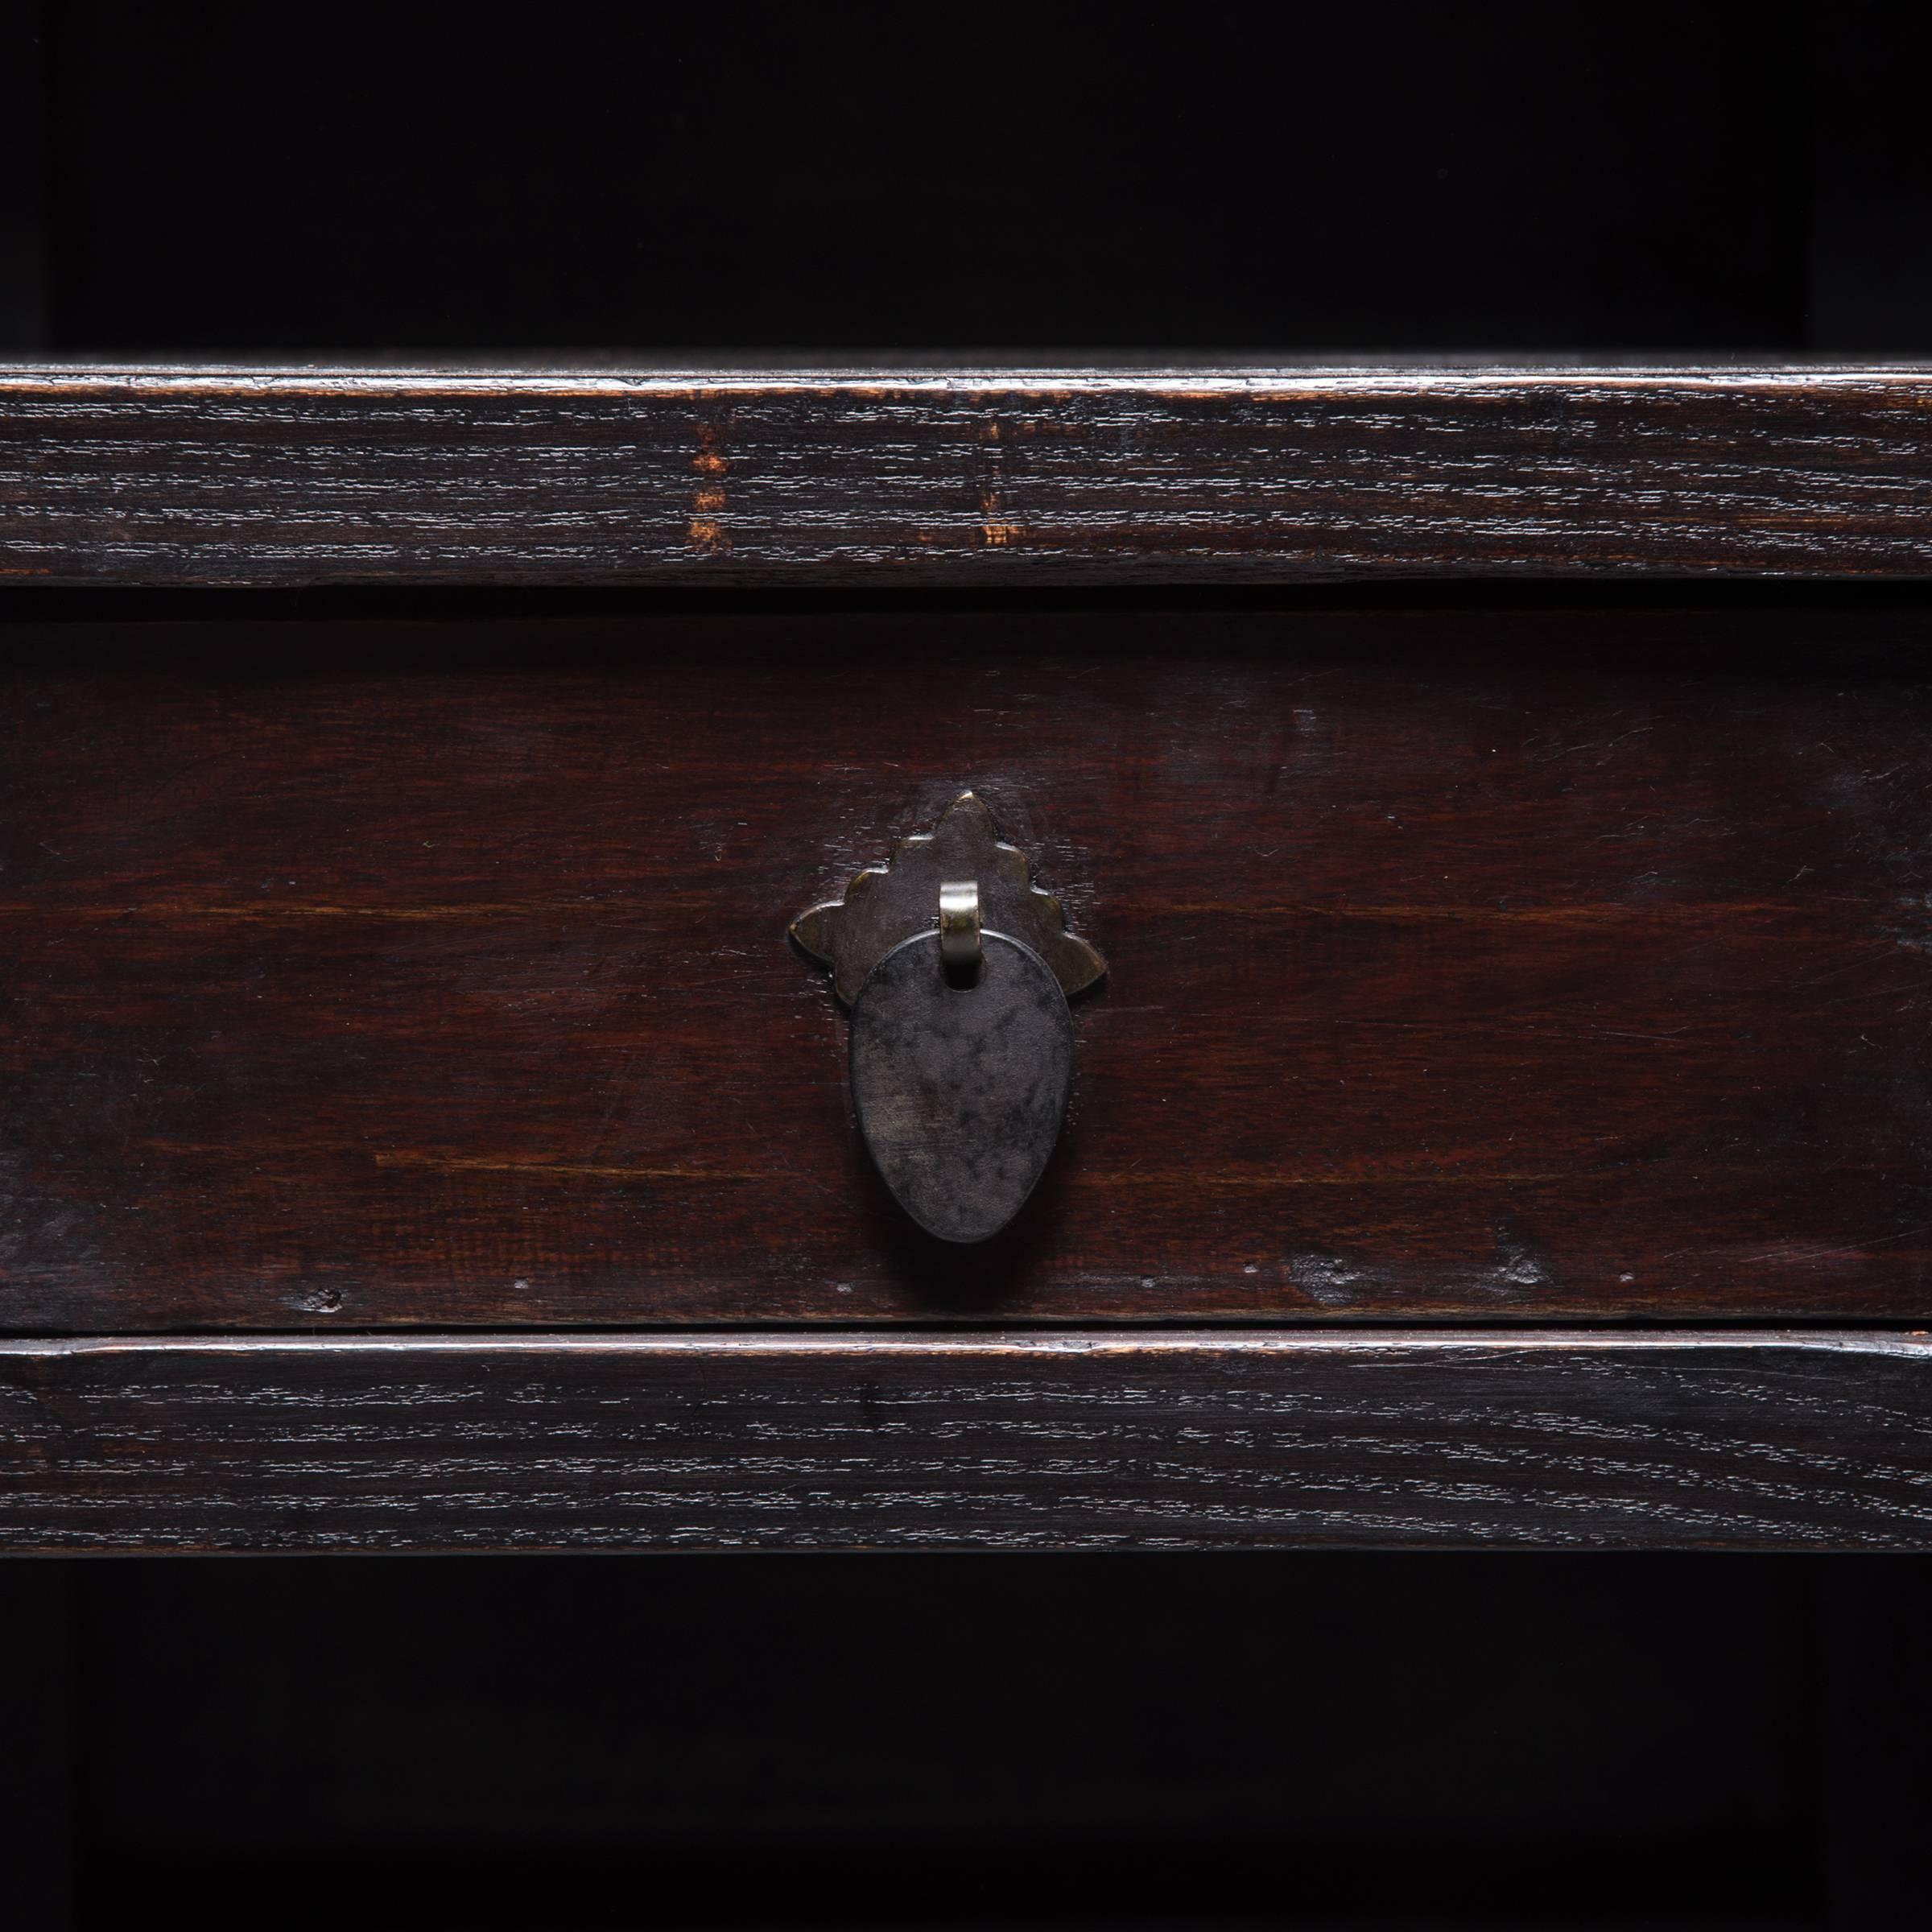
1159	1440
1494	966
974	475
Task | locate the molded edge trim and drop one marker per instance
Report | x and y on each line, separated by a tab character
226	476
1151	1438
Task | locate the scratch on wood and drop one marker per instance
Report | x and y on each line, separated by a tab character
617	1171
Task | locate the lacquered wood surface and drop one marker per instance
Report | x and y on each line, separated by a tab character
986	475
1519	965
1157	1440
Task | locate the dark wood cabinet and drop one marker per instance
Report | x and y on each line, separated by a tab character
420	1131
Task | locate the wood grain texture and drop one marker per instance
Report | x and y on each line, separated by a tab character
218	477
1163	1439
1544	966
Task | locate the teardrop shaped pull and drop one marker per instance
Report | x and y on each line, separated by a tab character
961	1086
958	969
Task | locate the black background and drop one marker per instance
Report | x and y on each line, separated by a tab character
222	177
969	1740
900	1741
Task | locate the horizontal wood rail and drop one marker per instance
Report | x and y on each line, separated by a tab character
1050	477
1155	1440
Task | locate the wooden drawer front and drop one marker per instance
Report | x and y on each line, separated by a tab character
1559	964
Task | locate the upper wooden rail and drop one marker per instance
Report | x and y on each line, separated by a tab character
238	477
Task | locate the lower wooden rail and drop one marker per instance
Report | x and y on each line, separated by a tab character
1149	1438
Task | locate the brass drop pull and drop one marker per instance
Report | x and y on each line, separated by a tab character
957	970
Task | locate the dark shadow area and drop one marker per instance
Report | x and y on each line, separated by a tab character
359	180
1144	1740
1698	627
373	177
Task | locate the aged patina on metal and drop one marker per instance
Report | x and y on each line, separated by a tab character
959	929
960	1088
884	904
962	1043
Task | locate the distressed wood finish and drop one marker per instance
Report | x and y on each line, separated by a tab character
879	1442
218	477
1462	967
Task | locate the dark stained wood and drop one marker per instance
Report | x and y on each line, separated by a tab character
226	476
1545	966
1160	1439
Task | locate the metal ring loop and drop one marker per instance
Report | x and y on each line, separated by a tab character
960	927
